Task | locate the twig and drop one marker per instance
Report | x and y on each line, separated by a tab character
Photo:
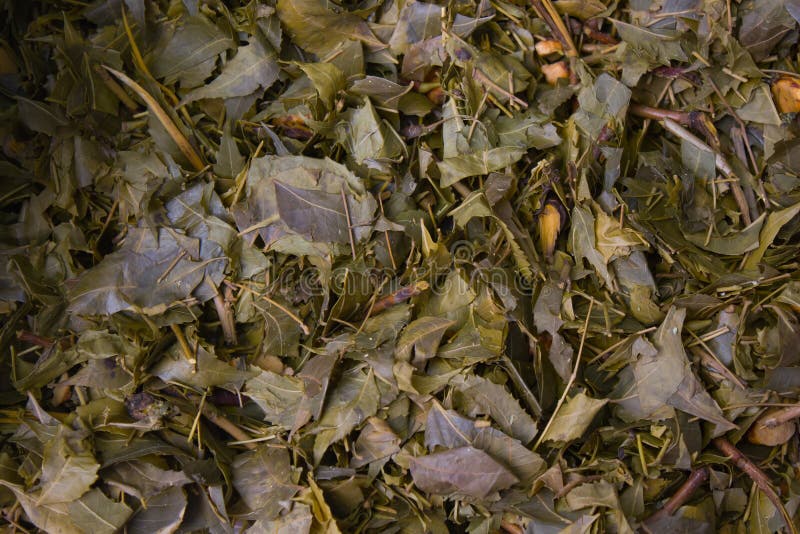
155	108
211	413
781	416
569	486
572	377
482	78
756	474
185	348
683	494
115	88
401	295
225	314
648	112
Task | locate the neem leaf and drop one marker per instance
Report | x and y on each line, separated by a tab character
583	243
207	371
775	221
353	400
163	515
306	183
197	42
68	470
479	396
423	336
319	215
450	429
263	477
735	244
667	378
464	470
96	513
278	396
318	29
573	418
662	46
253	67
376	441
328	80
150	272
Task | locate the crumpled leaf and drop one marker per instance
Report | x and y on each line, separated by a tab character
253	67
480	396
68	470
463	470
667	378
263	477
584	243
309	193
318	29
574	417
189	56
354	399
449	429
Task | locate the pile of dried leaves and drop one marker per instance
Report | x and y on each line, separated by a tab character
399	266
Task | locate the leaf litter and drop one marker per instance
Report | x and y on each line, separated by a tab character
399	266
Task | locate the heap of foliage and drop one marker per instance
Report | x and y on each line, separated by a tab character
397	266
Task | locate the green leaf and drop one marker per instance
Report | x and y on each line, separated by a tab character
96	513
573	418
263	478
464	470
353	400
479	396
328	80
319	30
253	67
190	54
68	470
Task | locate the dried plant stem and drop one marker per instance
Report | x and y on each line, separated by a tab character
756	474
648	112
115	88
401	295
684	493
210	413
781	416
156	109
185	348
225	314
485	80
572	377
349	225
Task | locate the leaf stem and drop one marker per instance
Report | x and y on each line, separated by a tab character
173	131
756	474
185	348
683	494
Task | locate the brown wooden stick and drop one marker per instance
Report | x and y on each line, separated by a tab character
696	479
781	416
401	295
756	474
648	112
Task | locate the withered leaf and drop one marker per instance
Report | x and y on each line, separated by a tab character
464	470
